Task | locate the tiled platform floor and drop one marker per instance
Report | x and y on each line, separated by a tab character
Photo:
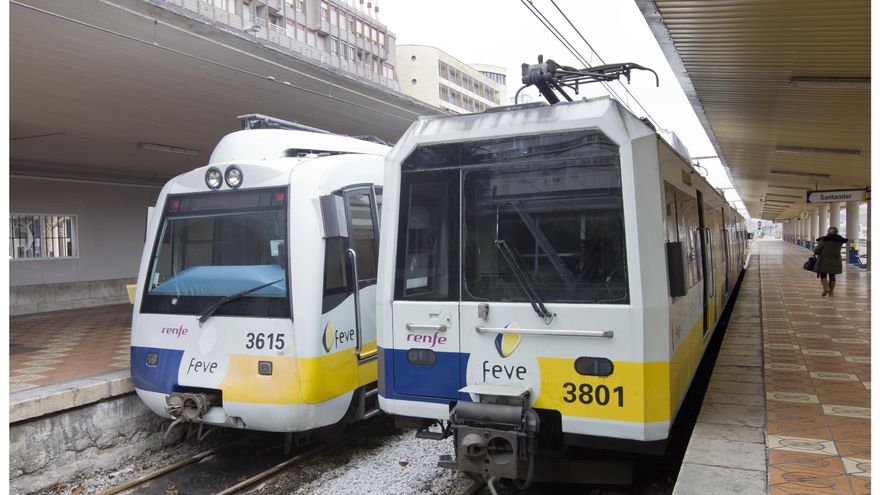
817	359
60	346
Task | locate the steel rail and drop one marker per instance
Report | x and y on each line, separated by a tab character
359	429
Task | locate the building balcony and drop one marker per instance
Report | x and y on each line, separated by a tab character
277	35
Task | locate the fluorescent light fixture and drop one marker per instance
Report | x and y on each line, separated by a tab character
799	173
789	187
783	196
827	151
167	149
779	201
829	80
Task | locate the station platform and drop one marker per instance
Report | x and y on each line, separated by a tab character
66	359
795	418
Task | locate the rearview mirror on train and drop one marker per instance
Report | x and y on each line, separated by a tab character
675	265
333	213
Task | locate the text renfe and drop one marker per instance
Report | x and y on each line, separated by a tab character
179	331
426	339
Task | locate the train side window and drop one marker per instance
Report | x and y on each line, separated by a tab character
671	214
362	232
336	287
377	196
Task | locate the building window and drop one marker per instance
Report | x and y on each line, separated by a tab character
325	11
381	39
334	17
334	46
42	236
301	6
360	28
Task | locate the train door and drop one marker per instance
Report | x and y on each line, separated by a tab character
704	253
711	233
425	354
550	235
725	251
351	258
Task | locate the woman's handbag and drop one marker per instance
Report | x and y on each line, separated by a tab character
810	264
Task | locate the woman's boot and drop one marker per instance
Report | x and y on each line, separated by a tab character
826	288
830	288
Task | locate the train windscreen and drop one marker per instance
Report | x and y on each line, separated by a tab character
219	244
545	211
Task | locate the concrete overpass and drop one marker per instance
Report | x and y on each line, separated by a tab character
92	79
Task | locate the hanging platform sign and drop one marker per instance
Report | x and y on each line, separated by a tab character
835	196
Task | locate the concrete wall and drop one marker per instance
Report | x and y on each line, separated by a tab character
54	449
110	236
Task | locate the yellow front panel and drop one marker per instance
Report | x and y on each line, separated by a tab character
243	383
634	392
297	380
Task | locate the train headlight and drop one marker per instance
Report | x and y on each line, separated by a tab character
234	177
213	178
152	358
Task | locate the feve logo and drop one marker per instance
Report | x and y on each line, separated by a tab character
506	343
334	338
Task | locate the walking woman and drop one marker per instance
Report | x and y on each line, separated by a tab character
828	263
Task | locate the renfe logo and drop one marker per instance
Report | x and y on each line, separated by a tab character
427	339
179	331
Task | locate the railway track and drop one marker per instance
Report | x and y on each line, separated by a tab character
162	481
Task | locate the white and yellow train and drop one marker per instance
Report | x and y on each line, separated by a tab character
256	292
549	275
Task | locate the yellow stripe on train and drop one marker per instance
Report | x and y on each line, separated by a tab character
635	392
296	380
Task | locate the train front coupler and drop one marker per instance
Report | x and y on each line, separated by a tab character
186	407
495	438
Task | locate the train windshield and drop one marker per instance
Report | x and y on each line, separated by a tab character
548	207
219	244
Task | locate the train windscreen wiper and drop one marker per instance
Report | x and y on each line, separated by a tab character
525	283
212	308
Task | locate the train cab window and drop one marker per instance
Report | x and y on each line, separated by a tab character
561	223
427	252
218	244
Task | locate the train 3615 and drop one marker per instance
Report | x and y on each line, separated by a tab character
256	292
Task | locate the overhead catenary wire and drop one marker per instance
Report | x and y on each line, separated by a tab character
529	4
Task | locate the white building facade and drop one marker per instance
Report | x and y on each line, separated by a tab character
437	78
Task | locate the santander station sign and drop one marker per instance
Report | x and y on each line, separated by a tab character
835	196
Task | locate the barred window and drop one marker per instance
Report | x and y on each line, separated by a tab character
42	236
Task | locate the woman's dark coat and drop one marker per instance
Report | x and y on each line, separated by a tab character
828	254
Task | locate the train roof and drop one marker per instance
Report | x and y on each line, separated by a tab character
529	119
267	144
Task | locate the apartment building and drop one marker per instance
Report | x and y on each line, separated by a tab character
437	78
345	34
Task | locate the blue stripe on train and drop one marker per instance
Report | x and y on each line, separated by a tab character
160	378
439	383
